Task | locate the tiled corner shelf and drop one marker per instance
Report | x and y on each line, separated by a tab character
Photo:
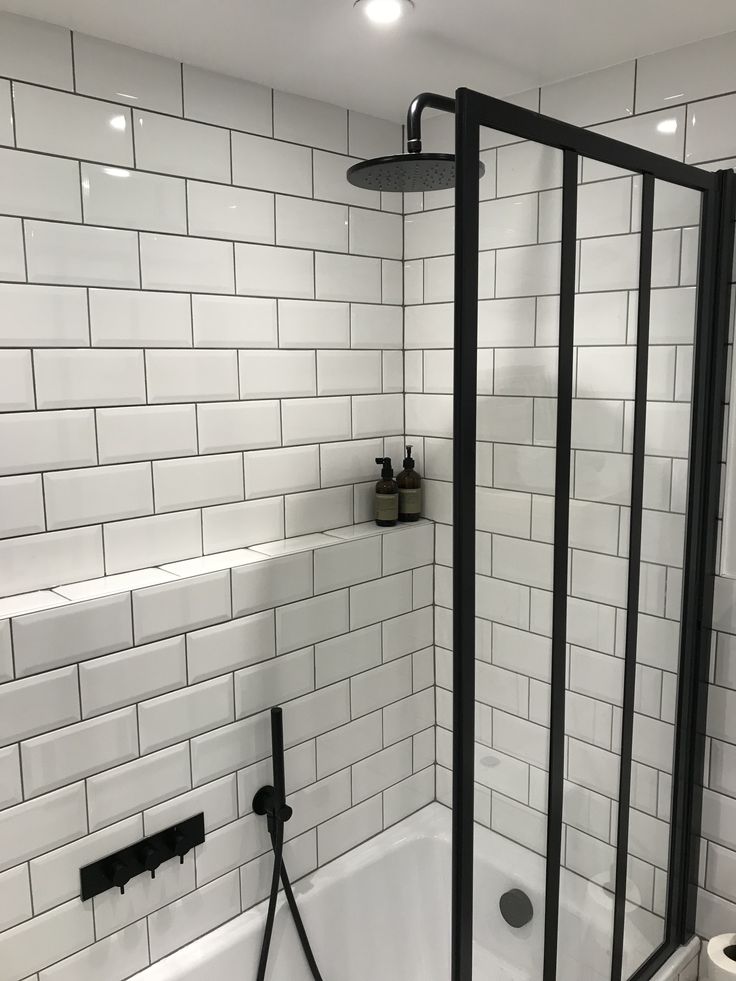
34	602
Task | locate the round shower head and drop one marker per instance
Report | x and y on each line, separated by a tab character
407	172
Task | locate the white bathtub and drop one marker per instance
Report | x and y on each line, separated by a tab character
382	911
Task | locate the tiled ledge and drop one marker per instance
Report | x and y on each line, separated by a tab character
34	602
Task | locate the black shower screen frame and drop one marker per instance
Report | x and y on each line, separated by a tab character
473	110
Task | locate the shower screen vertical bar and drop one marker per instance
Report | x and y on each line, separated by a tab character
463	552
561	534
632	599
706	436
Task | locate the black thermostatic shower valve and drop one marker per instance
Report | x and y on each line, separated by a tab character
115	871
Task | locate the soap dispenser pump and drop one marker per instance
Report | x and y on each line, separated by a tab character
387	495
410	490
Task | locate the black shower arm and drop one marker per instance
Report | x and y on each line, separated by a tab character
425	100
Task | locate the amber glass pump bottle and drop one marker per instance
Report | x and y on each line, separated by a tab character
387	495
410	490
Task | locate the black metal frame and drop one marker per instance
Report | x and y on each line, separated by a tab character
474	110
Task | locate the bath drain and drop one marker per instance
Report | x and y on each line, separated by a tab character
516	908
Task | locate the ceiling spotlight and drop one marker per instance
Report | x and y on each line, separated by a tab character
384	11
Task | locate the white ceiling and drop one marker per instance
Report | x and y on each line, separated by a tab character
325	49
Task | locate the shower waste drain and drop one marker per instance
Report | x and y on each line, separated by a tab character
516	908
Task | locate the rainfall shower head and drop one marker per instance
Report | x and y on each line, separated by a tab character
412	171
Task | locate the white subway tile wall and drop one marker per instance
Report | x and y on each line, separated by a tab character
128	712
178	253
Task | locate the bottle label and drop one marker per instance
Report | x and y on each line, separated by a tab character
410	501
387	507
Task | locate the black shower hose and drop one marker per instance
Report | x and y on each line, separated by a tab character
276	830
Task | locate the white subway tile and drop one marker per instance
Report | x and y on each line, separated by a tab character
376	415
198	481
408	796
271	472
380	600
21	506
226	647
347	564
110	682
60	757
42	316
376	233
72	379
35	186
349	829
191	376
331	183
219	211
320	801
116	957
194	915
301	120
183	714
40	825
238	426
16	381
347	655
229	748
142	542
707	137
276	680
340	747
316	713
374	774
69	126
311	620
313	324
36	51
376	326
47	938
226	101
315	420
239	525
169	262
11	791
348	372
210	563
173	608
36	705
408	548
55	875
314	511
230	321
127	199
684	74
594	97
372	137
351	462
373	689
408	633
262	270
270	374
528	270
177	146
129	318
72	254
81	497
12	262
40	561
145	433
408	716
15	897
507	222
347	277
271	165
271	583
230	847
430	233
528	166
123	74
309	224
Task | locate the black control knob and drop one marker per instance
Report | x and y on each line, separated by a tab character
120	875
181	844
151	858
